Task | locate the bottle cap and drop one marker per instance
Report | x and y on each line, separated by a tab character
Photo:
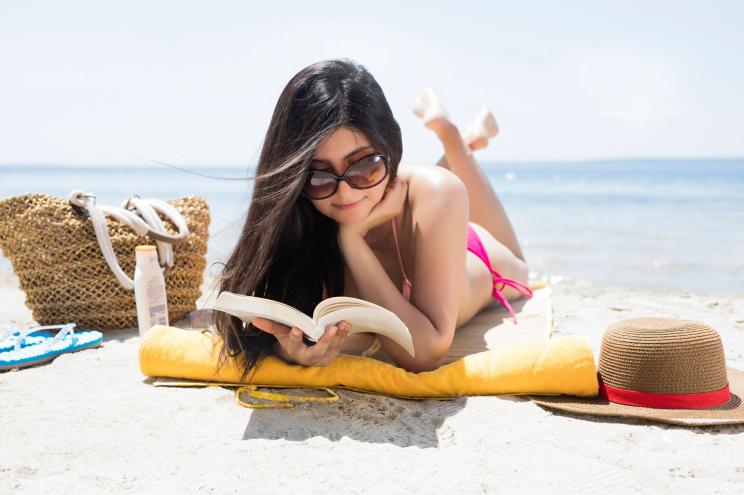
144	249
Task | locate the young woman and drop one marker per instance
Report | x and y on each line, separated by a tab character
332	214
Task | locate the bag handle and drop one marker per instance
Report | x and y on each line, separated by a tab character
149	224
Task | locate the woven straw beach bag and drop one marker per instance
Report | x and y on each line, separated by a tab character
60	259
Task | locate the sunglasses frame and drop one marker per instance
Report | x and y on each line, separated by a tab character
343	177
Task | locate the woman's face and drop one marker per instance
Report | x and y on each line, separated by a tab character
335	154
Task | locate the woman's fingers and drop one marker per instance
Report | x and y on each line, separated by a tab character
276	329
398	187
392	203
322	353
327	348
289	338
319	349
294	344
341	334
344	326
401	192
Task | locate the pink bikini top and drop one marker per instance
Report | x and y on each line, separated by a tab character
406	290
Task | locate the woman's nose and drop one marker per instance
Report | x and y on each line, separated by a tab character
344	190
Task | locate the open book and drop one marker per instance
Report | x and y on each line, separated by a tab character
364	316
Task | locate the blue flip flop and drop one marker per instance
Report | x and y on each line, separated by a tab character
24	352
40	335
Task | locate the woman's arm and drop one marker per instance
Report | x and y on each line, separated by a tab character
439	206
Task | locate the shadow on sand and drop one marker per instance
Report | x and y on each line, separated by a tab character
361	417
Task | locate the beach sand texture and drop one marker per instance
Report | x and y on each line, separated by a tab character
88	422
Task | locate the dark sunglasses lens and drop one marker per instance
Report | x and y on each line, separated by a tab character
367	172
319	185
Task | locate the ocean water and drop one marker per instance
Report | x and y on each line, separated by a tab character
654	224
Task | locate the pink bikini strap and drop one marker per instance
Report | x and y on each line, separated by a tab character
406	282
519	287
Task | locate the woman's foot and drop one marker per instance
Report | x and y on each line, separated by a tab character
430	109
481	130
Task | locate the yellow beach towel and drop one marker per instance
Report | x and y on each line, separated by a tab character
562	365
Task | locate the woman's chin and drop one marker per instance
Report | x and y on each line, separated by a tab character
348	220
351	217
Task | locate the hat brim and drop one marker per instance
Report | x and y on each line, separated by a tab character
732	412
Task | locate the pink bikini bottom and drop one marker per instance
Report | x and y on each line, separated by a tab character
476	246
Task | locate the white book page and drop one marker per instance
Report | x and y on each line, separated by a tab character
248	307
364	316
333	303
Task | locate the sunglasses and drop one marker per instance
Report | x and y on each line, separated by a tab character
362	174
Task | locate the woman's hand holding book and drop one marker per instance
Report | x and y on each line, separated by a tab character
345	315
291	348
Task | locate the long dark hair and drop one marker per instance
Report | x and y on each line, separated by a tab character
288	251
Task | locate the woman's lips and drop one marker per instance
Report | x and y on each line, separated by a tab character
349	206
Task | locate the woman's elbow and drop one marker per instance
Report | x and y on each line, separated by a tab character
428	359
420	366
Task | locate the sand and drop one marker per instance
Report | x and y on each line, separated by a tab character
88	422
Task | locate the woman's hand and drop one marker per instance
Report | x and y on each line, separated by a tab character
294	350
391	205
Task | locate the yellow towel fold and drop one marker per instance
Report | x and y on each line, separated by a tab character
559	365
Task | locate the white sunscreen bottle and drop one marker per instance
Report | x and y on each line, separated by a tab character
149	289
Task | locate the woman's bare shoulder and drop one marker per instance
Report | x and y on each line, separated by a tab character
431	185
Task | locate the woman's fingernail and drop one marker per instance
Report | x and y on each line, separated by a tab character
296	332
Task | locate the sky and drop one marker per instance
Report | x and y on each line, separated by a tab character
195	83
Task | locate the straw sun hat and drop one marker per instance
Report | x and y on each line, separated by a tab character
661	369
